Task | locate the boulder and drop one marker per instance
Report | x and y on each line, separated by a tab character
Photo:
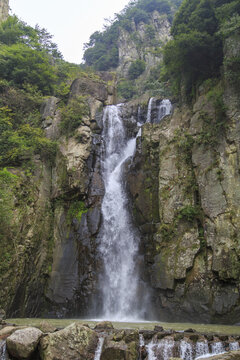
125	349
46	327
75	342
104	325
8	330
22	343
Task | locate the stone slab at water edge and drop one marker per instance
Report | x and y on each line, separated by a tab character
104	342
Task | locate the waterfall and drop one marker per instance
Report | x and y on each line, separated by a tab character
118	241
149	111
186	350
151	351
3	350
99	348
202	348
164	109
217	348
233	346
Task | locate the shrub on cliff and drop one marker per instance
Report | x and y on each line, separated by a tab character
136	69
72	115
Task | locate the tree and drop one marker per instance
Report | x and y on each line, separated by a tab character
136	69
22	64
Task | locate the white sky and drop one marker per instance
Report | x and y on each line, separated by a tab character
71	22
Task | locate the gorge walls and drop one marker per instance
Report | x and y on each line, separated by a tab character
185	187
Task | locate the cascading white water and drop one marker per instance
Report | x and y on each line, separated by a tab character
186	350
99	349
202	349
118	240
217	348
164	109
149	111
3	350
151	348
233	346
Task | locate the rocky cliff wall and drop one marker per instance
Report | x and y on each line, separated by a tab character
185	187
4	9
51	262
144	42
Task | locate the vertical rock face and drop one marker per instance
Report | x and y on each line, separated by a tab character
185	188
137	45
54	265
4	9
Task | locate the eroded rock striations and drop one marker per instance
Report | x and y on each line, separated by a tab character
185	188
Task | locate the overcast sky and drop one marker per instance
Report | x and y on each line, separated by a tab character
71	22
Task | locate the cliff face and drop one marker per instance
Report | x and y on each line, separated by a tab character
51	263
4	9
185	189
144	42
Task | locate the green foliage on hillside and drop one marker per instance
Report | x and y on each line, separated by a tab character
7	183
196	51
101	52
73	114
31	67
136	69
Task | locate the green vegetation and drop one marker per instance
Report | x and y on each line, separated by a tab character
196	51
7	182
31	68
73	113
126	89
189	212
136	69
75	211
101	52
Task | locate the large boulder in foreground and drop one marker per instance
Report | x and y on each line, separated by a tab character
75	342
22	343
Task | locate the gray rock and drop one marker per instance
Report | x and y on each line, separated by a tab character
75	342
22	343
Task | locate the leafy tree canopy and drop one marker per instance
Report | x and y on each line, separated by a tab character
196	51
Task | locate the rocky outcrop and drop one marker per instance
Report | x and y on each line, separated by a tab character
73	342
22	343
52	264
139	44
4	9
184	184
